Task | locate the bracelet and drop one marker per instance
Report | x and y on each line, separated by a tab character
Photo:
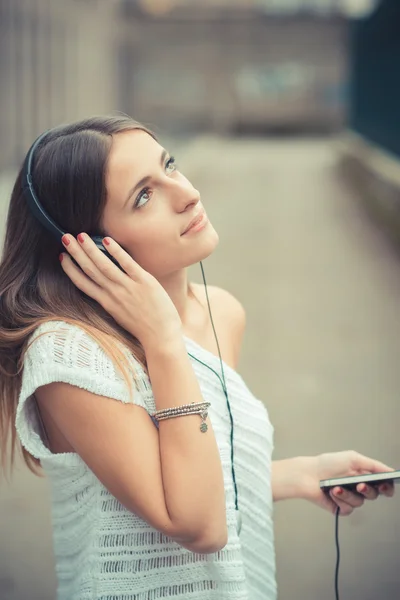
198	408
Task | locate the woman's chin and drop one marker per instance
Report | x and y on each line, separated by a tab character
200	248
208	243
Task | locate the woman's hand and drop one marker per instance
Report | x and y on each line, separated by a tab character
341	464
134	298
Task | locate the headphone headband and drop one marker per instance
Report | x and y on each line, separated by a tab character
37	209
32	200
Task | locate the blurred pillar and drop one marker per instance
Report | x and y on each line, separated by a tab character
93	53
5	88
10	90
58	63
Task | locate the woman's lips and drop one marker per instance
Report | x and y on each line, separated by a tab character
196	224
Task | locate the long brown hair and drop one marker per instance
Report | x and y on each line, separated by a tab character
68	173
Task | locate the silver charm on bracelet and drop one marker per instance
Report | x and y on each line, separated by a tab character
203	426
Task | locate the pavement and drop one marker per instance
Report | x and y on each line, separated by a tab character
321	285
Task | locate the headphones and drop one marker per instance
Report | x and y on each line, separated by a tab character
37	209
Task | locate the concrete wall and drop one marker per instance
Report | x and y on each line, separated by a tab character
373	174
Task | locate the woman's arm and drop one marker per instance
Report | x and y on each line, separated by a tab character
172	477
287	478
299	478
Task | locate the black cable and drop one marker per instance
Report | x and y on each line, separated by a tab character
337	553
212	321
224	388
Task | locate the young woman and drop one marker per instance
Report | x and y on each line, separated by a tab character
159	456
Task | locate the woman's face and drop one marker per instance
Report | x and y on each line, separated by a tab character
150	206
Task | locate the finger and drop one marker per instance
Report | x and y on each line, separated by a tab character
76	250
79	279
345	509
365	464
336	497
332	503
386	489
131	268
368	491
345	497
99	259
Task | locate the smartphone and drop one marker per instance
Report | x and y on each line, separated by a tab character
350	483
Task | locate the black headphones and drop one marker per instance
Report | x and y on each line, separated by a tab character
37	209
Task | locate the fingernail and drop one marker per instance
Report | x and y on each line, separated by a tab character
339	492
61	257
81	238
107	241
363	488
65	240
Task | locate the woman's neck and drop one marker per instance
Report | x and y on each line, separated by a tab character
177	287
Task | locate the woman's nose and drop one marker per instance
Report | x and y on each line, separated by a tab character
184	194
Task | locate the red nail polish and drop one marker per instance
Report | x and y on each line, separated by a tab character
107	241
81	238
65	240
61	257
339	492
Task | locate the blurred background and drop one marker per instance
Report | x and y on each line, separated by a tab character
285	114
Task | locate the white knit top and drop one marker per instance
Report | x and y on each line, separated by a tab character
105	552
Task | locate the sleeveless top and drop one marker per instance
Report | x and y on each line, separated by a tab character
105	552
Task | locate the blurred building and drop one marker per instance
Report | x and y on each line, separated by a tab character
177	65
237	64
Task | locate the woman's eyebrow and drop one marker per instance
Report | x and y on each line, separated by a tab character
144	180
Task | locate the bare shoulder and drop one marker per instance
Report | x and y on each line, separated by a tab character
228	306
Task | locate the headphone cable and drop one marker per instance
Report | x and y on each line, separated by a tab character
225	390
337	553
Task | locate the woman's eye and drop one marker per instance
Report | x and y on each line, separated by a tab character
145	195
171	165
143	198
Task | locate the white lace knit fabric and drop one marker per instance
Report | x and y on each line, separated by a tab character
105	552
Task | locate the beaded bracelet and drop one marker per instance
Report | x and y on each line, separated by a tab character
198	408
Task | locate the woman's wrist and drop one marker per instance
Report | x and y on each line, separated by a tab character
164	342
291	477
164	346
